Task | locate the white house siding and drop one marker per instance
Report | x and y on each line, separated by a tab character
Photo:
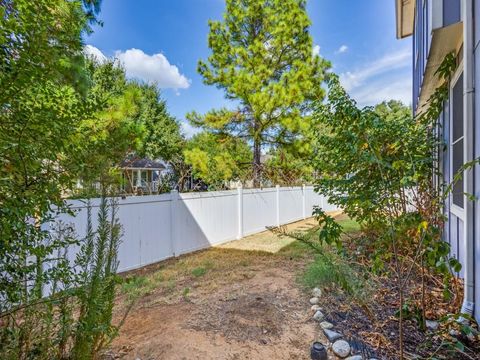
477	155
444	15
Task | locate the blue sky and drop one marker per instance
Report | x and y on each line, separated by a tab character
162	41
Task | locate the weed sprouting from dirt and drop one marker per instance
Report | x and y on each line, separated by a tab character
199	271
329	268
337	272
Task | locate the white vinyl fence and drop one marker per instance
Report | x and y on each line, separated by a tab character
159	227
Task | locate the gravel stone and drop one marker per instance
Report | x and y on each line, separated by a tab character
432	325
314	300
341	348
316	292
332	335
318	316
326	325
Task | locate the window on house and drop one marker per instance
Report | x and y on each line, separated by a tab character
425	32
457	140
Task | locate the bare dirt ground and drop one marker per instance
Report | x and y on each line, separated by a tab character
243	300
237	301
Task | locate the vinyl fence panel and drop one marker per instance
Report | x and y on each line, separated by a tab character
158	227
259	209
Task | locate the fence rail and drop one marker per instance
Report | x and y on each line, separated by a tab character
159	227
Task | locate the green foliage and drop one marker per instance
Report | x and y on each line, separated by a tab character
96	288
287	167
42	86
377	164
104	138
199	271
330	231
330	270
74	318
364	158
162	137
380	177
215	159
127	117
46	95
450	345
262	57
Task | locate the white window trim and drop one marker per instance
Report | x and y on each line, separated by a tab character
454	209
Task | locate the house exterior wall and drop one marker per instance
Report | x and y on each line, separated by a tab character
451	11
476	5
431	15
420	49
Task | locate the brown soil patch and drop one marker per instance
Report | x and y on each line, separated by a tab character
248	305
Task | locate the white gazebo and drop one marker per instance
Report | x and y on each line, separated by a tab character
141	175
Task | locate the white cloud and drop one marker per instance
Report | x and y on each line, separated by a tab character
316	50
342	49
94	53
152	68
397	89
188	130
389	62
149	68
386	78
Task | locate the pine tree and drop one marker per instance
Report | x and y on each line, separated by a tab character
262	58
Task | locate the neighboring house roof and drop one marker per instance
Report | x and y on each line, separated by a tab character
405	13
139	163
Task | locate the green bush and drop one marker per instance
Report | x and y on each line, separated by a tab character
96	287
378	164
74	318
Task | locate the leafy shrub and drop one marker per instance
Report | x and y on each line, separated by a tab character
377	163
96	286
68	315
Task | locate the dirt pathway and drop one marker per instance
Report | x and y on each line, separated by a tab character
229	302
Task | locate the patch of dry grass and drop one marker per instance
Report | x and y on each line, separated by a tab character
200	271
268	241
206	270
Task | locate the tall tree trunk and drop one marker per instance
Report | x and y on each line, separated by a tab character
257	166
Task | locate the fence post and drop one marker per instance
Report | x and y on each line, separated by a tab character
278	204
173	216
240	211
304	202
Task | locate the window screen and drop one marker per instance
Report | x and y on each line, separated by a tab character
457	140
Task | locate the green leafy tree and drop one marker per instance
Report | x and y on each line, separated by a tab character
43	99
215	159
286	168
352	143
103	139
377	164
162	136
127	117
42	81
262	58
